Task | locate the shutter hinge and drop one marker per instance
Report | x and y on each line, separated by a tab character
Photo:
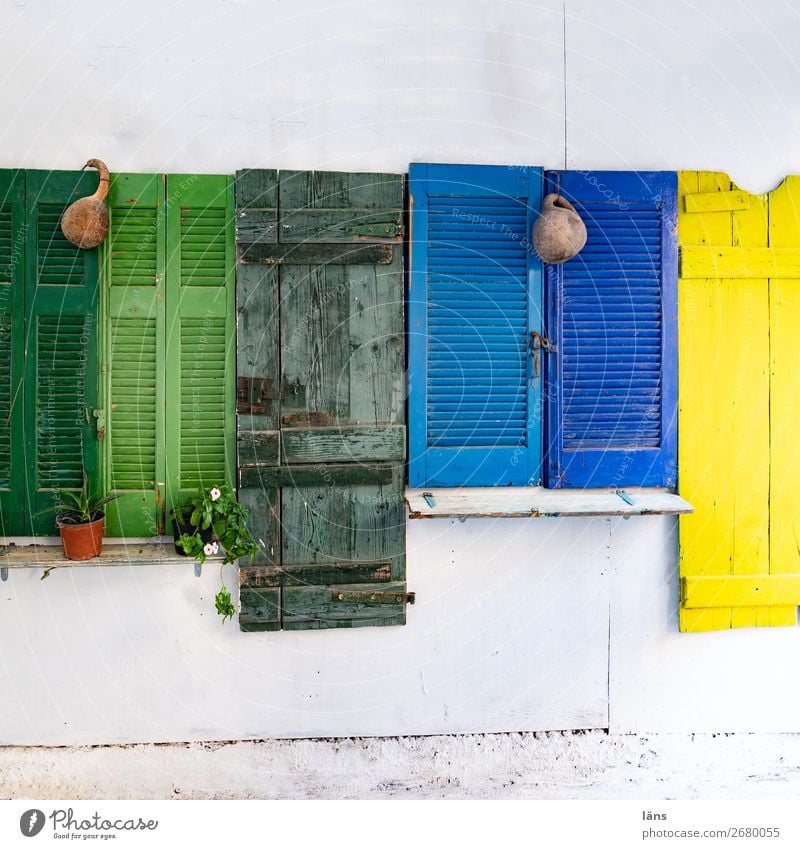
373	598
540	343
100	415
254	394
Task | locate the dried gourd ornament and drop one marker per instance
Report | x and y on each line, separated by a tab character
559	233
85	222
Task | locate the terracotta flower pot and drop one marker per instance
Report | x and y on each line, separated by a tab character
82	542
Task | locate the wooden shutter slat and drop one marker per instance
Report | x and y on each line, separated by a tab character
258	346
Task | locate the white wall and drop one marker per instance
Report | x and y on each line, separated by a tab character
511	629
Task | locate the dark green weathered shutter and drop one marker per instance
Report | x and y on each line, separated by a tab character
134	353
321	414
201	332
60	381
12	284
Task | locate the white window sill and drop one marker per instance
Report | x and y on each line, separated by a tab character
531	501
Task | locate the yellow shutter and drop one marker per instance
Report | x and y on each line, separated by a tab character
739	402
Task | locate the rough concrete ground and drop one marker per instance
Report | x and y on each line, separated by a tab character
553	765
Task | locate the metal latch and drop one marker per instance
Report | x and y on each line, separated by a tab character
100	415
540	343
252	394
373	598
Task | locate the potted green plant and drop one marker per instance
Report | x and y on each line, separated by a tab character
207	520
81	521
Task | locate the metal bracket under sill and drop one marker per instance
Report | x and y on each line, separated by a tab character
527	501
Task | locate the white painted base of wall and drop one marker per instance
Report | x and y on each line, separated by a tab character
554	765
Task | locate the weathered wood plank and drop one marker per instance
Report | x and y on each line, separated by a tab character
317	607
734	591
263	504
376	365
332	189
347	444
488	502
258	340
323	475
745	502
258	448
314	574
256	188
342	342
704	311
315	347
716	201
714	261
256	228
260	609
784	400
347	253
346	523
340	225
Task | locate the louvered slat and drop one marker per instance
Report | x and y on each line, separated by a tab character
5	400
202	425
60	262
477	322
6	281
622	265
203	257
133	242
60	400
133	404
614	374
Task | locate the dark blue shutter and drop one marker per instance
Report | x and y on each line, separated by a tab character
475	295
612	312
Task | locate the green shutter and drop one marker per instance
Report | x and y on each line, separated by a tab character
60	381
321	434
201	329
134	264
12	282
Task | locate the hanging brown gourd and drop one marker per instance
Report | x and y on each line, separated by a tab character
85	222
559	232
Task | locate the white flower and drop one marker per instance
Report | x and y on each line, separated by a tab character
208	549
215	546
215	494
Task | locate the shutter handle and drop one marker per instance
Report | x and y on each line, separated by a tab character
540	343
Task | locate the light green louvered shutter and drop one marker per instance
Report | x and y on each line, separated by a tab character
134	265
201	347
60	381
12	283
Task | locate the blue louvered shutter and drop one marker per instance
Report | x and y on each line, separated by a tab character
475	295
612	313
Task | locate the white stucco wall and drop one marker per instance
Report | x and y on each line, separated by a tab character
512	626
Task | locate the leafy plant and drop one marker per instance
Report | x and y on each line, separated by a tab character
78	508
218	509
